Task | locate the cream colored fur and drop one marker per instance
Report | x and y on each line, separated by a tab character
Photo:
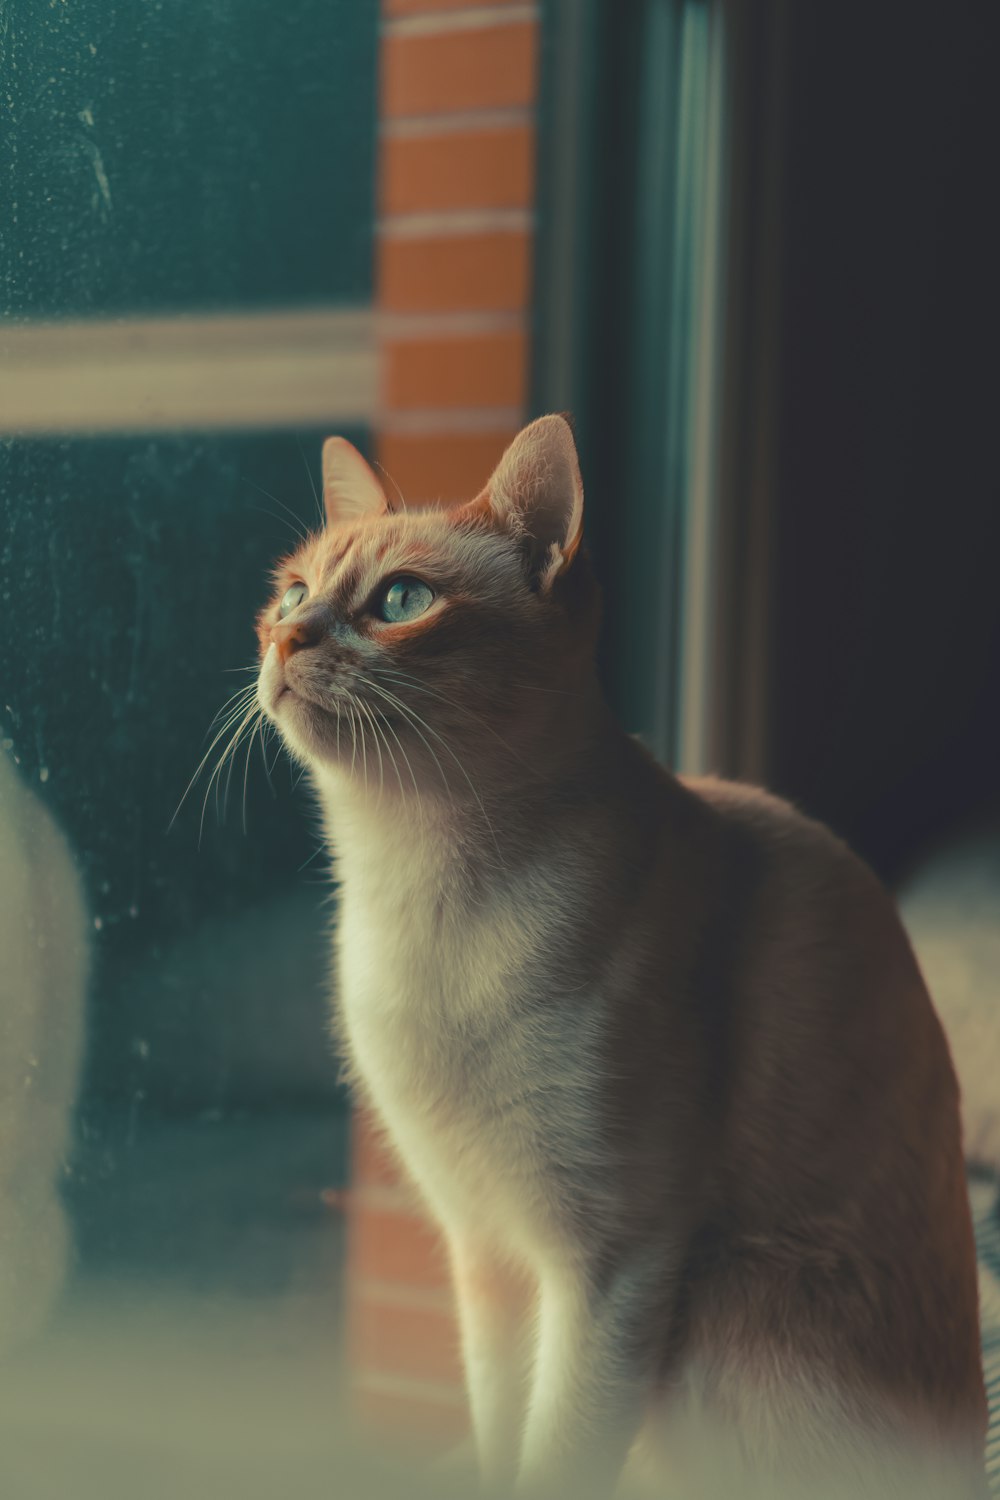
43	964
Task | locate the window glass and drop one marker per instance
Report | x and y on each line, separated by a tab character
187	221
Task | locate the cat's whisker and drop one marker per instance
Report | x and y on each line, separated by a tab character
356	709
262	510
251	737
417	721
380	722
245	731
399	492
243	694
364	745
312	483
388	724
245	713
405	680
354	739
320	849
381	774
263	752
395	765
216	773
381	718
231	710
365	713
294	523
267	733
231	755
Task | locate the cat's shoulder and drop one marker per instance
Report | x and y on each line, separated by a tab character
770	820
793	862
746	802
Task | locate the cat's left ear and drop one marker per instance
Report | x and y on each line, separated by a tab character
351	492
536	492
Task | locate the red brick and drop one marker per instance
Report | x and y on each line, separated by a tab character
487	67
484	370
450	467
391	1245
372	1162
458	169
420	1343
455	272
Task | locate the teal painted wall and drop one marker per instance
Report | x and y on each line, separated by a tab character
159	158
185	154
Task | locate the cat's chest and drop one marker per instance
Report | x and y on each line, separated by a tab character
429	1009
485	1090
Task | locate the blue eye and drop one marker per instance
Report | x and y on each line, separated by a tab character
404	599
291	599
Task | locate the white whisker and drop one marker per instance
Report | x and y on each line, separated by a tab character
402	752
405	680
216	774
312	484
243	694
417	721
381	774
395	486
414	719
294	524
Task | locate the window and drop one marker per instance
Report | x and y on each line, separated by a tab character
186	275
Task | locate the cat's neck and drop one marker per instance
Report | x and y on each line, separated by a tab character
492	820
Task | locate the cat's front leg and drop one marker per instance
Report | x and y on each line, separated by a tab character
597	1336
494	1311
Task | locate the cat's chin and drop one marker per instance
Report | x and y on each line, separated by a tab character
279	700
308	730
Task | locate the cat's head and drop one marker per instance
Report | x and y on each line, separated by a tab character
410	642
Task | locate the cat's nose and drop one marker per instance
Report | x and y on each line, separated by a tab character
307	629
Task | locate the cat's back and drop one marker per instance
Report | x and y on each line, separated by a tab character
840	1162
842	1088
776	828
817	947
803	893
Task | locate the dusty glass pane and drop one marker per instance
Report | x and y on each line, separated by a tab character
185	153
209	1120
170	1115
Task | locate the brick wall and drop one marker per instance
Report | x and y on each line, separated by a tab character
456	218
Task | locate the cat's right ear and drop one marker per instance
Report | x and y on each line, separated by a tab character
351	491
536	494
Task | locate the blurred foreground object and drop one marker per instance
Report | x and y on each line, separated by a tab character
951	907
43	971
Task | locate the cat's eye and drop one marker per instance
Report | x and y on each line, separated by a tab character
404	599
291	599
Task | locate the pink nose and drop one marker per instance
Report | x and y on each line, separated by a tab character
296	635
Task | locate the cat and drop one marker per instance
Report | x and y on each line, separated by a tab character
43	975
655	1050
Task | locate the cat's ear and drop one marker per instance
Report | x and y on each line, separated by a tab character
350	489
536	493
